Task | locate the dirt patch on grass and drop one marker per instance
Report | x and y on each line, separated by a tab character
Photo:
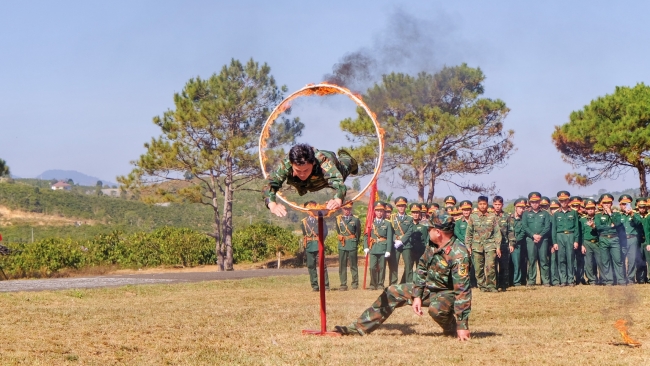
17	217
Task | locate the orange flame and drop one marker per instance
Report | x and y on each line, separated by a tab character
622	328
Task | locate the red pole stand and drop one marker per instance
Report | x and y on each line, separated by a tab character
321	273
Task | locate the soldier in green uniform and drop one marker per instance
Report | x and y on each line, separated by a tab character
378	246
606	224
348	228
545	204
483	238
460	230
419	235
633	230
537	225
506	225
402	229
577	204
555	205
589	239
441	285
517	248
565	233
450	201
309	226
642	270
308	169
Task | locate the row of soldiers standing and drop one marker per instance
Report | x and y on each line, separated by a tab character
571	240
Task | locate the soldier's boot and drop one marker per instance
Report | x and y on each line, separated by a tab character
348	162
350	330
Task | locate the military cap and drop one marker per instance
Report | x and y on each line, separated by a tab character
545	201
432	209
435	205
424	207
347	204
589	203
606	198
379	205
415	207
626	198
641	202
457	210
309	204
555	204
401	201
563	195
534	196
521	202
465	205
575	200
482	199
388	207
450	199
443	221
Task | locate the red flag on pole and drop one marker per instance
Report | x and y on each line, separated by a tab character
369	217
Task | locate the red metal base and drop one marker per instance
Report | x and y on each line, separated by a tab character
320	333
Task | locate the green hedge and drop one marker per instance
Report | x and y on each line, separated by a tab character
165	246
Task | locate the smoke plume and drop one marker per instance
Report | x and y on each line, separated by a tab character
408	44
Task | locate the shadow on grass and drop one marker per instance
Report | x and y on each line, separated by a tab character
407	329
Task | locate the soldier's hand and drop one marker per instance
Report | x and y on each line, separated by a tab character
575	245
536	237
387	254
334	204
366	250
277	209
556	247
498	252
584	250
647	248
417	306
463	335
512	249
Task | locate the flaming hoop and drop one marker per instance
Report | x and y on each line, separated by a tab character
321	89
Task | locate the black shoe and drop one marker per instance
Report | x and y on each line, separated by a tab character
315	289
343	288
355	287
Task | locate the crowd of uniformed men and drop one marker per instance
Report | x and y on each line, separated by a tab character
570	239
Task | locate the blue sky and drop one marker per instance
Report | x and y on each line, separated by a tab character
80	81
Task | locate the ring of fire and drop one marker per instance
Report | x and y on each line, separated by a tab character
321	89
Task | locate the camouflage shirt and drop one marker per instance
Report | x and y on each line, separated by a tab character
483	232
507	226
326	173
446	269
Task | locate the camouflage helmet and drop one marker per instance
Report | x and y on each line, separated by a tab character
442	221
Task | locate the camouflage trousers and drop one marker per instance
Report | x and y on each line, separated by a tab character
486	268
440	304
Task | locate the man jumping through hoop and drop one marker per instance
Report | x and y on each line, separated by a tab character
309	170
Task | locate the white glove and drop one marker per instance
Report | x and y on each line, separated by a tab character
398	243
366	250
387	254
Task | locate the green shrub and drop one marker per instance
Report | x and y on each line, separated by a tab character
262	241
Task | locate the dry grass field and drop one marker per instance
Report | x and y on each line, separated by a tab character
259	321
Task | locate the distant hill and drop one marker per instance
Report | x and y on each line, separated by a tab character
78	178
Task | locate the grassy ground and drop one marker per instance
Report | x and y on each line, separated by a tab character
259	321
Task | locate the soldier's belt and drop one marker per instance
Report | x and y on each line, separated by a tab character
608	236
308	238
630	236
343	238
593	240
565	232
372	241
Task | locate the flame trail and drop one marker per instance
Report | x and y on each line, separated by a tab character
621	325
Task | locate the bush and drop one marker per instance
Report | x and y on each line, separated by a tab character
165	246
262	241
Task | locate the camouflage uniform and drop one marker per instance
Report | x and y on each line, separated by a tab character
309	226
507	226
348	229
441	281
482	238
329	172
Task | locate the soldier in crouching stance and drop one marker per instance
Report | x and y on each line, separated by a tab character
441	284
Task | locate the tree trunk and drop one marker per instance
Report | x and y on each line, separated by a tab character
227	214
420	184
432	187
643	182
279	254
217	227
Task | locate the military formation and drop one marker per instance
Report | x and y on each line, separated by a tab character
565	241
